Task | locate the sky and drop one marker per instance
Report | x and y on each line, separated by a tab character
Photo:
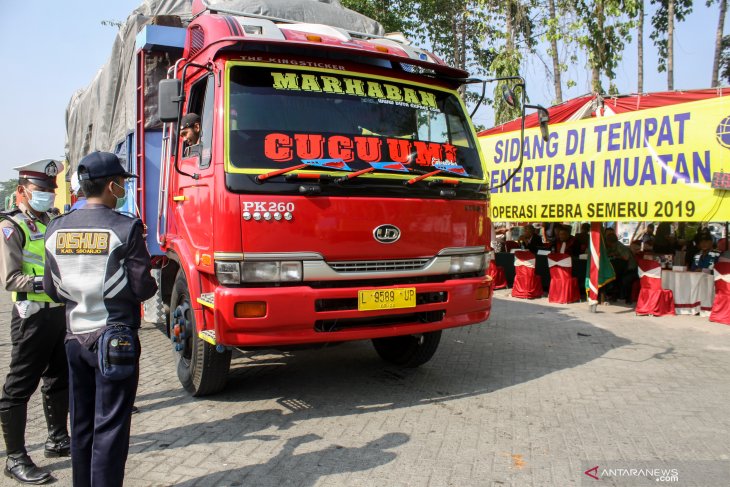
50	48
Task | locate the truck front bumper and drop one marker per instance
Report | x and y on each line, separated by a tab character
302	314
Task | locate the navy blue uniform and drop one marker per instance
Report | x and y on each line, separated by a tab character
98	265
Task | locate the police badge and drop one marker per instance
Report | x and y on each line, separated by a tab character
51	169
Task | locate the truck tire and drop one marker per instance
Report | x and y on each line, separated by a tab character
408	351
200	368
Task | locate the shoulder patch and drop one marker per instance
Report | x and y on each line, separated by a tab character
8	232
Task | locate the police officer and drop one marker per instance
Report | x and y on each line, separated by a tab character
37	325
97	263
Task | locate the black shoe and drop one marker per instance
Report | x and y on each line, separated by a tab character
22	469
58	447
135	409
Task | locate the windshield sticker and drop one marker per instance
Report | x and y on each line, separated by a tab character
340	85
292	62
338	164
283	147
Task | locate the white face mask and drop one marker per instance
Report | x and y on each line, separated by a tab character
41	200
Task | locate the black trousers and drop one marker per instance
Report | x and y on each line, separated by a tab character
101	414
38	353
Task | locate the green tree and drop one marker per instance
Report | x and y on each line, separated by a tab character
640	46
718	41
553	35
7	192
725	60
606	27
663	33
518	37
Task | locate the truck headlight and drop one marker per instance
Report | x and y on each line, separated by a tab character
278	271
462	264
228	272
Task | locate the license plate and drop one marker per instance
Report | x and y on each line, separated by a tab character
374	299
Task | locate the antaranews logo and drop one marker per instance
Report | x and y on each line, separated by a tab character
639	474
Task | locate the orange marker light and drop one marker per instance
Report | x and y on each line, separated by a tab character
249	309
483	293
314	38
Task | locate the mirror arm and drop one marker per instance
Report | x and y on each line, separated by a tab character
521	85
481	99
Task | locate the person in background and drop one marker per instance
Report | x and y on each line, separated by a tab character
77	191
103	278
664	241
565	243
647	239
549	233
37	325
624	264
706	257
530	240
584	237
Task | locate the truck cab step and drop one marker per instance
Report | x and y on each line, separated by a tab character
207	299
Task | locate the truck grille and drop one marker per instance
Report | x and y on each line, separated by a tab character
388	320
379	265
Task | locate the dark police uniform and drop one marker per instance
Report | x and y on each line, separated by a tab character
97	263
37	329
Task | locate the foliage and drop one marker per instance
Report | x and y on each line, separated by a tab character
394	15
7	189
725	59
560	26
606	27
660	23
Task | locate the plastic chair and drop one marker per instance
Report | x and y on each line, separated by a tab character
721	305
527	285
496	272
563	286
653	299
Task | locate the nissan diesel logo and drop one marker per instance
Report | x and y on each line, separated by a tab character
386	234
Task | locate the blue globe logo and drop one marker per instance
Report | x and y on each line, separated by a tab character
723	132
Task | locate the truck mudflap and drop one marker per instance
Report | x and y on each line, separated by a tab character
302	314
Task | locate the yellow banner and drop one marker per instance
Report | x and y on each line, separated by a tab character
654	165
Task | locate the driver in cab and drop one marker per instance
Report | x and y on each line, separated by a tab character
190	132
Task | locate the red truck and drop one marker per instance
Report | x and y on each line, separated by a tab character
337	191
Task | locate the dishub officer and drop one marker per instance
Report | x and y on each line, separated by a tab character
37	325
98	265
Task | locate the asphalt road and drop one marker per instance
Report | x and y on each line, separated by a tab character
536	396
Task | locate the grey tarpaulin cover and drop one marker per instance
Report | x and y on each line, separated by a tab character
101	115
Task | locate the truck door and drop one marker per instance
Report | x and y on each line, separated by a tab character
193	197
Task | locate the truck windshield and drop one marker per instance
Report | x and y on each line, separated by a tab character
282	115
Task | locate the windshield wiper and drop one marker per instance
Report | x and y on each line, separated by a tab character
337	164
376	166
441	168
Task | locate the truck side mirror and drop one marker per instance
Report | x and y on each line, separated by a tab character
168	103
508	96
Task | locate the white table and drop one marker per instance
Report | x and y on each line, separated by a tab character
693	291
